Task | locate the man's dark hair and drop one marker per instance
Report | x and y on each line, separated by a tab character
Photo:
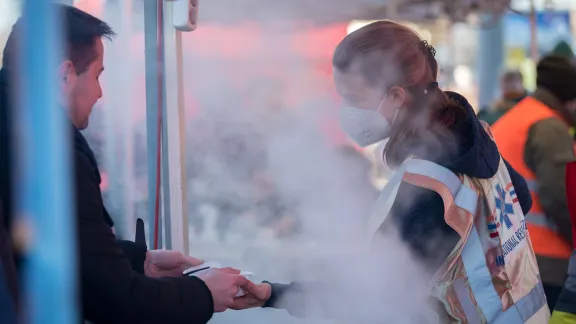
80	32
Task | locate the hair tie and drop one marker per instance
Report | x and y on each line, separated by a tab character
427	48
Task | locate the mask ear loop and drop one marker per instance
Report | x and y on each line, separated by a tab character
395	113
382	102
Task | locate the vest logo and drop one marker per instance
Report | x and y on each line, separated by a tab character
514	231
493	229
505	209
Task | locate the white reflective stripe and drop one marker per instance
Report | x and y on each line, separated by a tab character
518	313
436	172
479	277
464	196
510	316
532	185
385	200
539	219
525	308
532	302
463	294
514	314
467	199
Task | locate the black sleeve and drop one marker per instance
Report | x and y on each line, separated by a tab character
293	297
318	300
521	188
112	292
548	149
135	253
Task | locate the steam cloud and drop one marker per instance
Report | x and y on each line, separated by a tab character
258	124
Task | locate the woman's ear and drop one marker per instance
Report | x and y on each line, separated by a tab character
397	95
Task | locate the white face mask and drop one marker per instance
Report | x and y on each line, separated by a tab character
365	127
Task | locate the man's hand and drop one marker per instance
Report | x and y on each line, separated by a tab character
224	285
256	296
163	263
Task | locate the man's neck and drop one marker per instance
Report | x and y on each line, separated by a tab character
546	97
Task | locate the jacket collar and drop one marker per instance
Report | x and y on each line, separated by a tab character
549	99
81	145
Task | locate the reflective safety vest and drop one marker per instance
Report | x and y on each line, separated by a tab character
511	135
491	275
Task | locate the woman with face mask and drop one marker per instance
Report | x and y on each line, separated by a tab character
453	201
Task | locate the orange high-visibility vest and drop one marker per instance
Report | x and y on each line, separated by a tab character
511	134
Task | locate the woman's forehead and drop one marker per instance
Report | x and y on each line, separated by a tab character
349	79
351	85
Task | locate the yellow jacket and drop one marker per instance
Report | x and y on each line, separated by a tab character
562	318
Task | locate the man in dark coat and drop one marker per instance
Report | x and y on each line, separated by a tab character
120	282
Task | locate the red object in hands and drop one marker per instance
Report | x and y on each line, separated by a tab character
571	194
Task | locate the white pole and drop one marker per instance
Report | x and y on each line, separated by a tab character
127	110
533	32
174	183
119	119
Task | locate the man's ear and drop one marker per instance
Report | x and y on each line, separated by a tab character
67	74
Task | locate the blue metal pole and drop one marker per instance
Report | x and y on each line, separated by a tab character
43	189
490	60
154	90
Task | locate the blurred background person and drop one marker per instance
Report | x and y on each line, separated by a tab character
513	91
563	49
534	137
